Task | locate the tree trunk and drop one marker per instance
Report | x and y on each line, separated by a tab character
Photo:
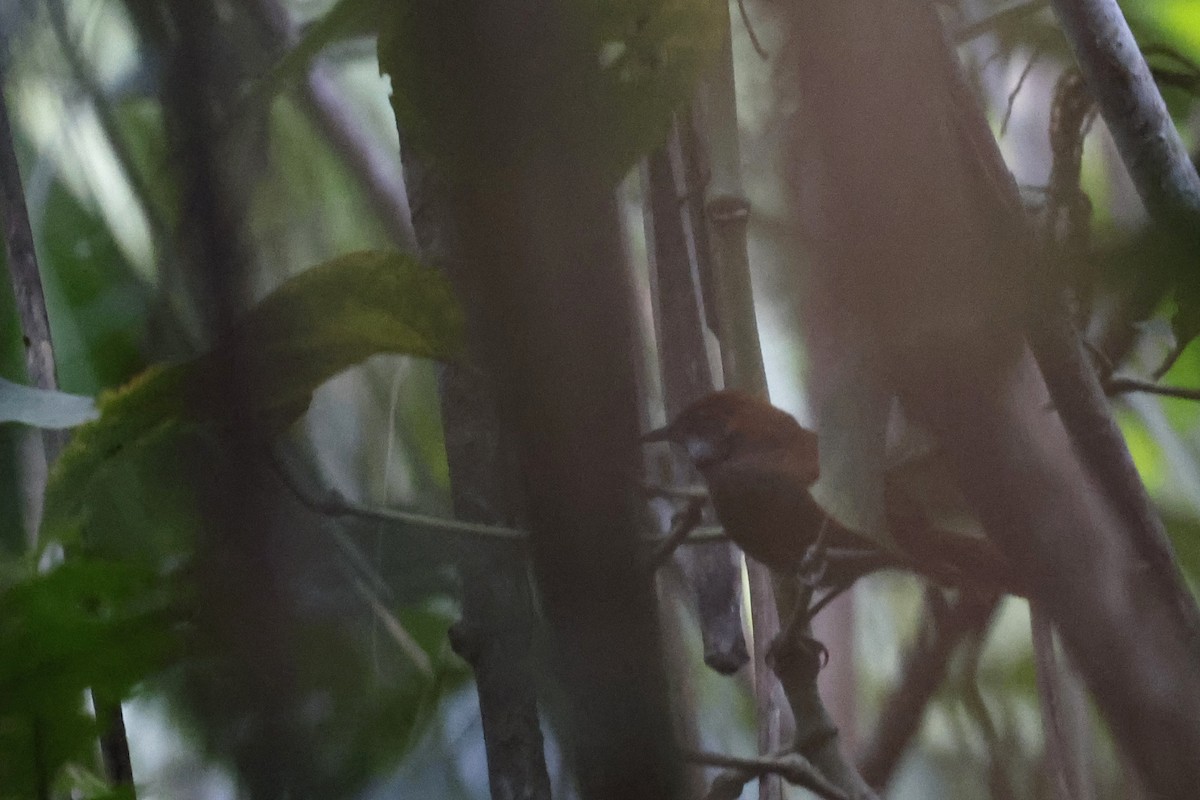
541	233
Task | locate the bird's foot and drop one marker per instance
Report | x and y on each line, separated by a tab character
792	644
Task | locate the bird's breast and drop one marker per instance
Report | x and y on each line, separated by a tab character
774	521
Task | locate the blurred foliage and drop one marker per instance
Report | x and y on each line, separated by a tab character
604	94
123	490
102	625
361	702
128	462
117	614
347	18
1174	23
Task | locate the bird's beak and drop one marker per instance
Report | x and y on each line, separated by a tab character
662	434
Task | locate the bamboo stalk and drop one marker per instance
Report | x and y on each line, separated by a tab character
713	571
728	212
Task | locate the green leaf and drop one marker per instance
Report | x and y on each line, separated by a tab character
601	89
125	473
125	488
121	475
43	409
85	624
329	318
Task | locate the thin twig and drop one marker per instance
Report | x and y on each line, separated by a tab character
1170	360
685	493
329	502
974	704
758	48
1012	96
830	595
395	628
1121	385
792	767
1048	678
380	177
939	635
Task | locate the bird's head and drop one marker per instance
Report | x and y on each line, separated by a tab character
729	426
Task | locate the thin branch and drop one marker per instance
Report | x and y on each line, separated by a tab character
1016	90
1171	357
395	628
374	170
684	493
749	26
1046	669
1000	783
328	502
23	270
1134	111
792	767
939	635
796	659
1122	385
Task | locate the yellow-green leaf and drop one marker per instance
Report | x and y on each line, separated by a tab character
125	478
329	318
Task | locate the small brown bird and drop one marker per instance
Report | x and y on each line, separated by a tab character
759	463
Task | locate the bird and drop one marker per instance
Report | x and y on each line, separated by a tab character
759	465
